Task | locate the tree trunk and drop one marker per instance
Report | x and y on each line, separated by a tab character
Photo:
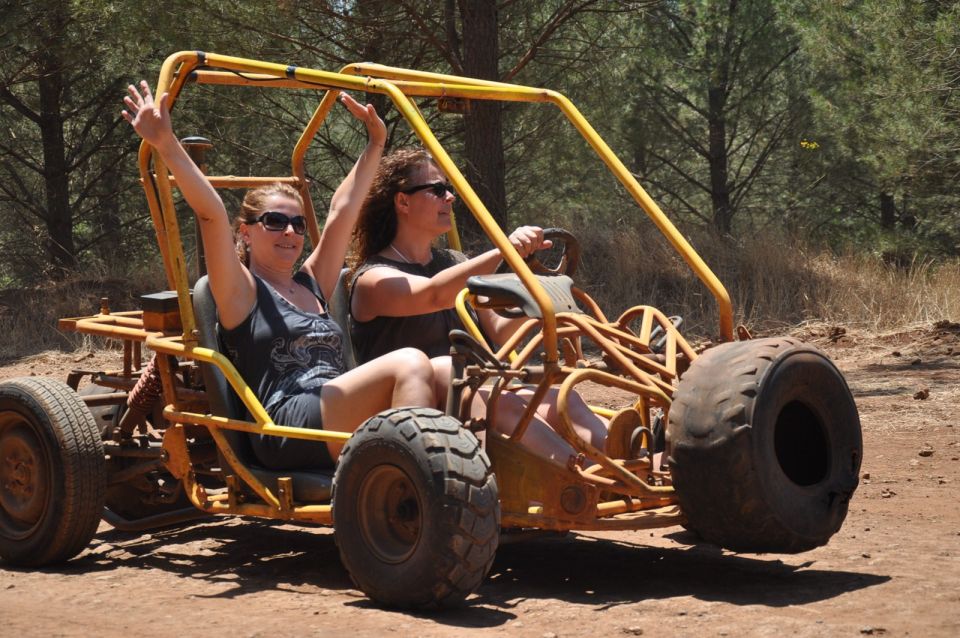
719	178
888	211
372	50
107	219
59	216
483	126
719	58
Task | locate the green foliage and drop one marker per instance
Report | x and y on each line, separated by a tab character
68	178
712	105
884	80
837	121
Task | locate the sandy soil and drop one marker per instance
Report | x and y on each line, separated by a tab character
892	570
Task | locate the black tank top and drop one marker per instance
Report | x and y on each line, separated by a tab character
427	332
281	350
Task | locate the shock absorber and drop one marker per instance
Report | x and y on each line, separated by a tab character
142	399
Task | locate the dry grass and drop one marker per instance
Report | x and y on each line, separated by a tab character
28	316
774	283
879	296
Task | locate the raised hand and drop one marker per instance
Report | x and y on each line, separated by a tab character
376	129
150	119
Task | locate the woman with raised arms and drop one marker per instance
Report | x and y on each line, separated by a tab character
272	317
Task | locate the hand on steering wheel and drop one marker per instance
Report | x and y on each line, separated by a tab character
569	260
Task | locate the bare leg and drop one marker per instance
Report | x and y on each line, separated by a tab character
401	378
441	379
588	426
540	438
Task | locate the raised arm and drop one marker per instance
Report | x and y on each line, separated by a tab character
231	284
326	260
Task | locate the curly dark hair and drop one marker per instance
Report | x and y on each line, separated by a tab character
377	225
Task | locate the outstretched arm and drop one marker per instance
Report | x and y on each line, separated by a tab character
231	283
387	292
326	260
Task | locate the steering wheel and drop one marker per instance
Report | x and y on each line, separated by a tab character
569	259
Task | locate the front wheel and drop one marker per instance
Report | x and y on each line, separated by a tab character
415	509
52	472
765	446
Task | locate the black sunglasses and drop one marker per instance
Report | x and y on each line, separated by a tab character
439	189
278	222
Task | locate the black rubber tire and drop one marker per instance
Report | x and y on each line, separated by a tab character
415	509
765	446
52	472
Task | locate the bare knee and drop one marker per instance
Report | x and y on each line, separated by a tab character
413	378
410	362
441	369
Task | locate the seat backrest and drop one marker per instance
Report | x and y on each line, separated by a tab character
223	400
221	397
309	487
339	308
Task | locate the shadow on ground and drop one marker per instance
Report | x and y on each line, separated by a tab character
245	556
241	557
606	573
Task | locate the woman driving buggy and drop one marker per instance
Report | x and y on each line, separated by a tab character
403	290
273	319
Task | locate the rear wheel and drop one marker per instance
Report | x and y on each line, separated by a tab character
415	509
52	472
765	446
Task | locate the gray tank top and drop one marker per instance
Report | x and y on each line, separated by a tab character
283	351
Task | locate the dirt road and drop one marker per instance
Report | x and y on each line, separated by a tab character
893	570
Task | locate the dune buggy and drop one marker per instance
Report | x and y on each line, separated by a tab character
763	439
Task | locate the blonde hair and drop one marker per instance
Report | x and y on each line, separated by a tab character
253	205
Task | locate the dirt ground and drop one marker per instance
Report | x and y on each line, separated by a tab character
892	570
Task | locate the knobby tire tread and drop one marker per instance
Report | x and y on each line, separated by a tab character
471	517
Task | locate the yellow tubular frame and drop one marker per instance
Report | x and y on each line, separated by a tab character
179	66
159	184
425	84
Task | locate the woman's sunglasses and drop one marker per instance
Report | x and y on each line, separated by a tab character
439	189
278	222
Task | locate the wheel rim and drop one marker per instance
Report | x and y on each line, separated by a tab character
390	514
24	477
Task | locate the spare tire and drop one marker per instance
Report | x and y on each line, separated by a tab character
765	446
